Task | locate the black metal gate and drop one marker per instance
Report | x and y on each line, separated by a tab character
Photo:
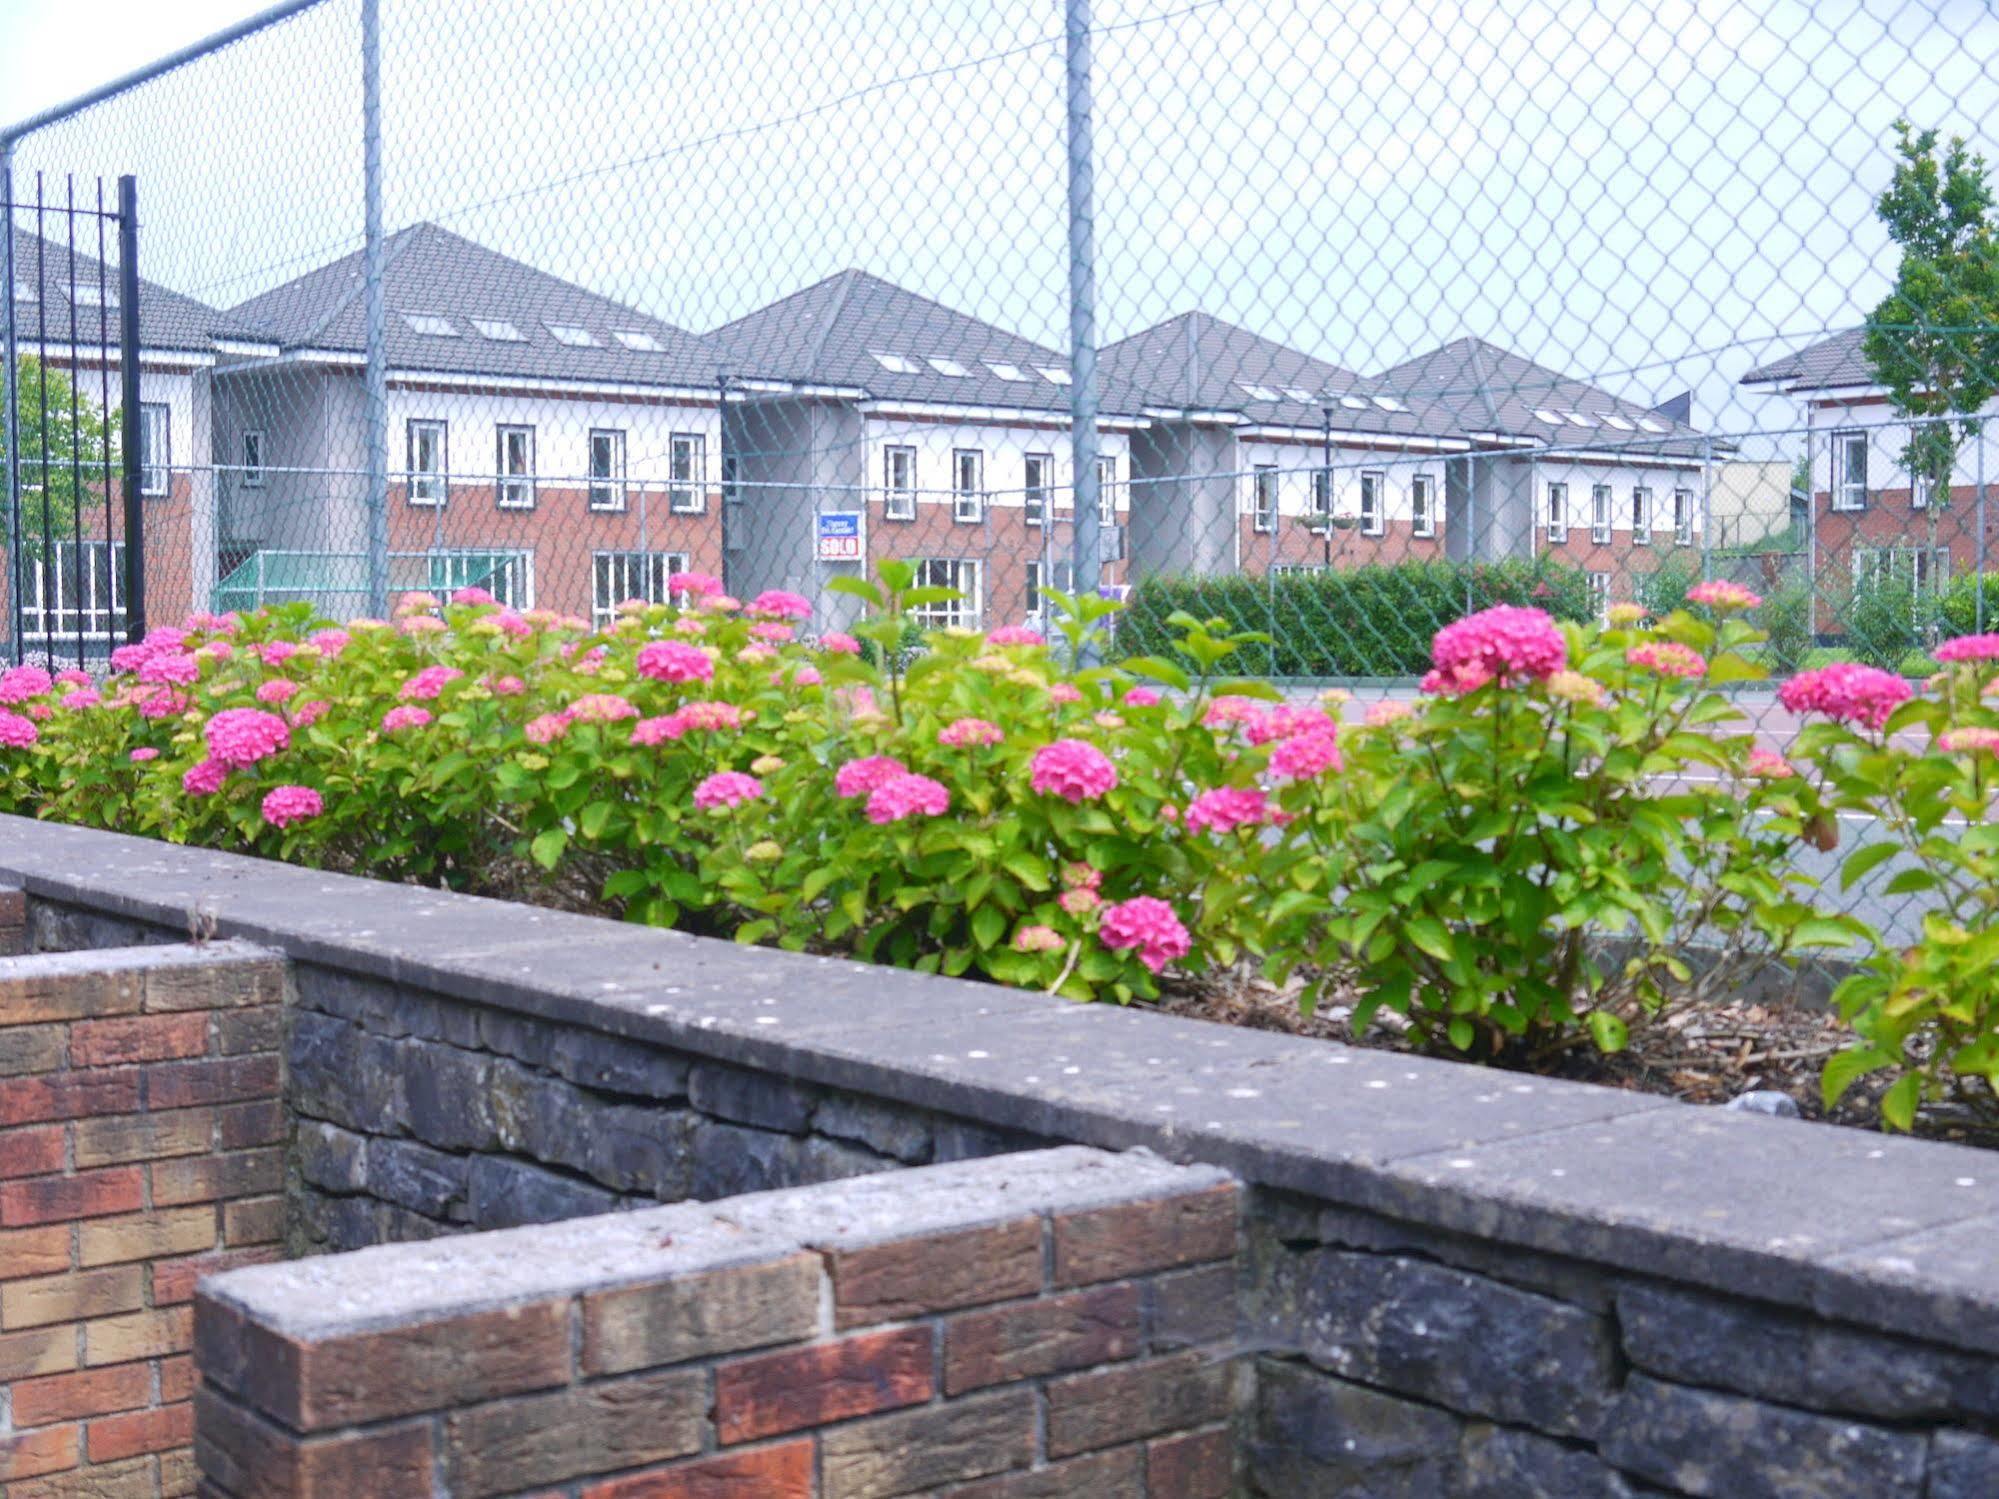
77	458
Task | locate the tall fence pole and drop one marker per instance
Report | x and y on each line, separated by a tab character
128	395
374	312
17	577
1082	300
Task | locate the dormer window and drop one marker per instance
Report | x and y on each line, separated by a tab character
1006	371
499	330
896	364
949	367
1053	375
643	343
575	337
430	325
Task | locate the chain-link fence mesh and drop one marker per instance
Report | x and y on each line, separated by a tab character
1400	310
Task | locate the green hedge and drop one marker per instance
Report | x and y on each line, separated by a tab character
1373	621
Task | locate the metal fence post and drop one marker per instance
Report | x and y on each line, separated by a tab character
128	379
1082	301
1978	583
12	394
374	313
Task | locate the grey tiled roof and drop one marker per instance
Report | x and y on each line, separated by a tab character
1831	361
831	332
429	271
167	320
1489	389
1197	362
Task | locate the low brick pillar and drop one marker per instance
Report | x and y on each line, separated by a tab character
140	1147
1021	1327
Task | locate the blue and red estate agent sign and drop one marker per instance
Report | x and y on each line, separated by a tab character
840	537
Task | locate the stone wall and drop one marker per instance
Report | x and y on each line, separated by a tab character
1043	1325
140	1130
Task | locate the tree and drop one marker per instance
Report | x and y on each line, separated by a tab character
75	447
1934	340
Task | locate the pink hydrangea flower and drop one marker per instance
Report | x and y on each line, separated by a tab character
421	624
39	712
305	715
1072	769
81	698
1227	808
905	796
799	676
1065	692
1149	925
727	788
165	638
756	652
1847	692
1079	902
711	717
840	643
416	603
214	650
862	776
162	702
473	595
721	603
698	584
507	686
781	605
1575	687
144	753
276	690
1668	658
649	733
546	729
276	652
428	684
772	631
964	732
285	805
1969	648
204	778
17	732
602	707
1286	721
859	701
71	677
1081	876
1015	635
674	661
1306	757
1141	697
1768	765
214	624
129	657
409	716
1389	710
1038	938
330	643
512	625
1507	644
1969	741
1226	711
243	736
687	624
176	667
19	683
1720	594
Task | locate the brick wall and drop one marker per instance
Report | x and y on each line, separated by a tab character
1054	1323
139	1149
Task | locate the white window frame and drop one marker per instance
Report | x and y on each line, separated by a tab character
606	489
1600	518
1683	517
619	575
1373	503
687	473
97	613
1847	495
899	490
253	458
1423	506
1037	569
1035	493
441	564
1107	491
1558	514
1641	515
968	503
1263	487
427	487
156	448
1598	584
513	490
1322	493
1916	568
960	573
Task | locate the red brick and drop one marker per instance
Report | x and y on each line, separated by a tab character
1111	1406
32	1050
243	1173
143	1137
57	1199
69	1095
247	1124
253	1220
53	1449
1117	1474
177	1377
1030	1338
113	1340
31	1152
69	1298
250	1456
174	1280
34	1251
39	1350
184	1085
939	1273
783	1471
779	1392
94	1392
731	1310
137	1038
1195	1465
1134	1238
116	1437
52	987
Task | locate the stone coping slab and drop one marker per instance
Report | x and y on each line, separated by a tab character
1886	1232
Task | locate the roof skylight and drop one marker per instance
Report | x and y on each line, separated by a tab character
1552	418
1257	392
1389	403
1298	393
645	343
1005	371
1053	375
575	337
430	325
1354	403
1651	426
897	364
1577	419
1618	422
499	330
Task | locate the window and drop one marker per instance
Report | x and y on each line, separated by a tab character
429	465
731	490
617	576
1058	575
575	337
898	483
1263	498
430	325
1641	516
897	364
686	473
1599	515
949	367
1558	513
155	448
1849	471
76	590
1912	567
253	460
940	572
499	330
968	484
1599	594
1010	372
607	468
507	576
1053	375
644	343
1423	504
1919	492
1683	517
1107	491
515	490
1322	493
1038	468
1372	519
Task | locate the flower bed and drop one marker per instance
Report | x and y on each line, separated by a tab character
981	809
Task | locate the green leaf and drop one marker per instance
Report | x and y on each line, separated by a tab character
547	847
989	925
1462	1033
1430	935
1608	1031
1861	860
1898	1104
859	588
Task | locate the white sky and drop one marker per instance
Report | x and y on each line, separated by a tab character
1653	193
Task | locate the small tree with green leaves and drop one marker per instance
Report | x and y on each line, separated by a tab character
1934	340
64	439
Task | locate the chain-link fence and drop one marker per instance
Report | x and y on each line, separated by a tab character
1385	311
